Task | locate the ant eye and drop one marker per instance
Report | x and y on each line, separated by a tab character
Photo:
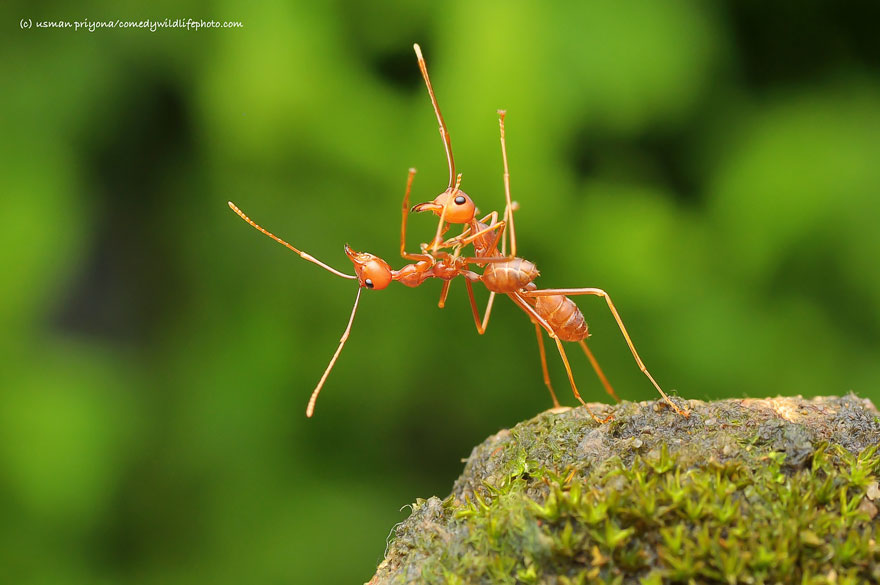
369	283
460	200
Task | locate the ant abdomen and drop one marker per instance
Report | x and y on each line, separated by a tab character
563	316
510	276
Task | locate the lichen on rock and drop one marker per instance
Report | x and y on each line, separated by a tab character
781	490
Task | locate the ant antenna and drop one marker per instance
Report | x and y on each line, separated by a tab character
457	184
447	143
305	256
310	409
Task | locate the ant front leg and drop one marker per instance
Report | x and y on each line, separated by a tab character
403	219
466	232
466	237
509	207
601	293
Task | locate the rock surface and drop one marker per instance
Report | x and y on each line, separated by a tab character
754	491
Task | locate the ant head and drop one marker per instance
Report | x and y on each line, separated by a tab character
459	206
372	272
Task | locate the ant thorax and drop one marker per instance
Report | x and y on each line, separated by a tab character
485	244
413	275
447	268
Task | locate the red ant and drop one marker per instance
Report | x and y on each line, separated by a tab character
550	309
507	274
371	272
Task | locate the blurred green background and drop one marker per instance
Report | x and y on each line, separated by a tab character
713	166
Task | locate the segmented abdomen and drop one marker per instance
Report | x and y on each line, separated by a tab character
563	316
510	276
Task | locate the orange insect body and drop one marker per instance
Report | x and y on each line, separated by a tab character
510	276
563	316
550	309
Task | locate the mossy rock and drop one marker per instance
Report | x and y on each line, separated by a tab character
781	490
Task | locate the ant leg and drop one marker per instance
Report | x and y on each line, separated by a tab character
598	370
485	260
403	218
481	326
491	218
494	225
508	208
302	254
466	232
544	365
466	238
443	293
601	293
488	310
405	213
455	241
573	387
525	306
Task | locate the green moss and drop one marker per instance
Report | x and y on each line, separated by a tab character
548	510
718	524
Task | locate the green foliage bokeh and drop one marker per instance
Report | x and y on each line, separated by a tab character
713	166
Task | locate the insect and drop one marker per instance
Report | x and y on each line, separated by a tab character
549	309
371	272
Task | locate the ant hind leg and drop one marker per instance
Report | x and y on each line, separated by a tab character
534	316
601	293
598	371
556	405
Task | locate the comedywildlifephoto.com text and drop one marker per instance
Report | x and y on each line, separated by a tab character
151	25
